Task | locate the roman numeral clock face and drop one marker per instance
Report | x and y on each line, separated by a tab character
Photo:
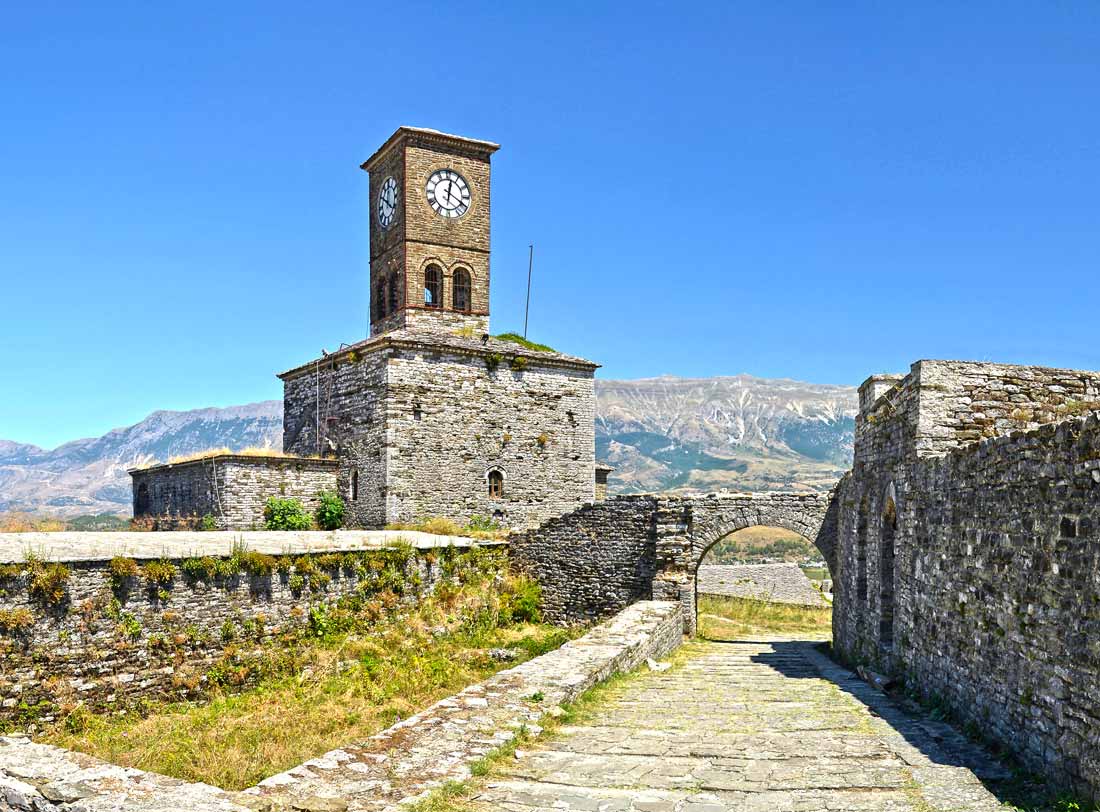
448	193
387	202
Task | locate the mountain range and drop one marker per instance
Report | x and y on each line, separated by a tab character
660	434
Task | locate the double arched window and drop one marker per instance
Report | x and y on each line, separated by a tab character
433	287
460	290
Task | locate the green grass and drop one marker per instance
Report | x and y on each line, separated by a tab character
516	338
727	618
349	677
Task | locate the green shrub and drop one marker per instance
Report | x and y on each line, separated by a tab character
285	514
122	569
159	573
493	360
518	364
519	601
13	621
209	522
48	582
330	511
257	564
200	569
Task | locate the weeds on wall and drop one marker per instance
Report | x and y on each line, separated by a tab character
285	514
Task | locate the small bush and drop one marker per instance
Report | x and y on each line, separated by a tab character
330	511
257	564
9	572
13	621
121	570
519	601
200	569
159	573
493	360
48	583
285	514
518	364
209	522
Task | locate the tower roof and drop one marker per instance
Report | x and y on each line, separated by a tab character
474	145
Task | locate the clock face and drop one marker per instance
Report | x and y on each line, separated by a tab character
448	193
387	202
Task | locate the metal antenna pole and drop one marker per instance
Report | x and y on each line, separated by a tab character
527	309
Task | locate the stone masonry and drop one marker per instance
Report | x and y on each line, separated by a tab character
775	583
233	489
969	534
111	641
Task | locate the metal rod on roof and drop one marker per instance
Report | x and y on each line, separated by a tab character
530	263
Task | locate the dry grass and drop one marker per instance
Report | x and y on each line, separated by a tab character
28	523
342	691
445	527
252	451
727	618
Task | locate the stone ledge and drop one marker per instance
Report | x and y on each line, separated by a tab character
404	762
14	547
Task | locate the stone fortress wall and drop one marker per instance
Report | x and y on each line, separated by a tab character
233	489
419	421
969	531
774	583
109	641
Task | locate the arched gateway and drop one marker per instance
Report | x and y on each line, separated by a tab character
704	521
596	560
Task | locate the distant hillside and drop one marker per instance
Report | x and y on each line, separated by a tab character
89	476
741	433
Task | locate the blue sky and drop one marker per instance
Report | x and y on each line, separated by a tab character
816	191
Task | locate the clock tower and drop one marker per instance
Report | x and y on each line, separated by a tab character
429	232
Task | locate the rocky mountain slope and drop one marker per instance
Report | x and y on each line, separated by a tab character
665	433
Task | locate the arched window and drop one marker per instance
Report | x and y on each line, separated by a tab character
141	501
379	299
886	570
496	484
433	287
355	485
391	294
460	290
861	551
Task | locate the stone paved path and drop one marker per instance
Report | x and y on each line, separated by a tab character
769	726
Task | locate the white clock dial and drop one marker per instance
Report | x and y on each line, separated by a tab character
448	193
387	202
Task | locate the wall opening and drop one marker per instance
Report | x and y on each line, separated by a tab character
496	484
141	500
886	572
763	580
391	294
354	490
433	287
861	551
460	290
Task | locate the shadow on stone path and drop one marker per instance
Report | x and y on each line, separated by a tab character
768	725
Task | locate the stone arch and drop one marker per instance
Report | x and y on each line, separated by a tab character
689	527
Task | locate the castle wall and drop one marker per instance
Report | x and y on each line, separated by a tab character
450	420
994	580
111	642
232	489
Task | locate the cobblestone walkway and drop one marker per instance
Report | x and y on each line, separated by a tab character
768	726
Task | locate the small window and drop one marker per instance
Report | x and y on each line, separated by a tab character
355	485
461	290
391	297
496	484
433	287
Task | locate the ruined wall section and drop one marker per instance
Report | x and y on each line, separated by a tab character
593	562
111	641
232	489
